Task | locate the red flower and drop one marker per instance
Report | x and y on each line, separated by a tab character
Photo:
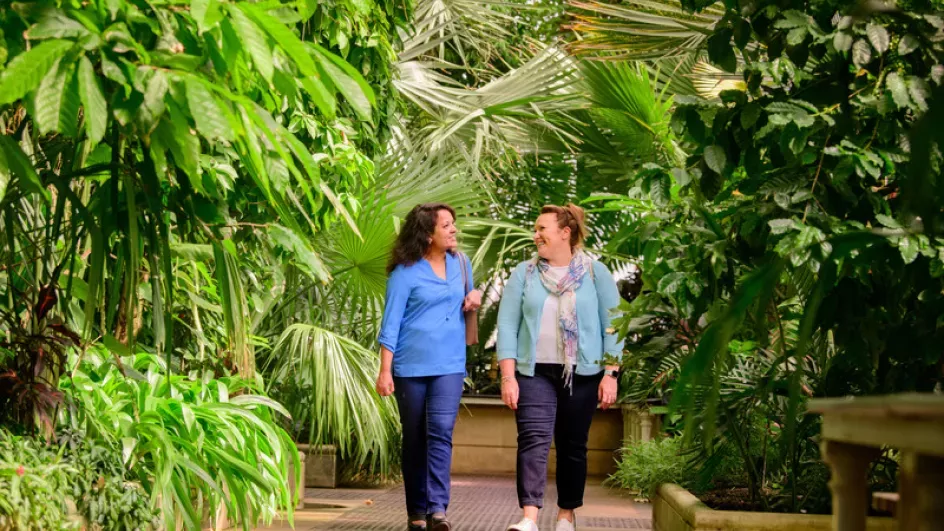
21	471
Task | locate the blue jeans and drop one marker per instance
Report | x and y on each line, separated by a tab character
546	411
428	409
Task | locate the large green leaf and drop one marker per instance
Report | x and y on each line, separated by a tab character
207	111
93	102
896	84
55	24
348	81
627	104
153	105
879	38
512	112
305	256
27	70
352	303
297	51
715	158
21	167
253	41
185	147
207	13
322	97
57	101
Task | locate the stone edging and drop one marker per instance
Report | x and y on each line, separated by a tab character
676	509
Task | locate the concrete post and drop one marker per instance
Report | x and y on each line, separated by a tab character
921	487
645	426
849	464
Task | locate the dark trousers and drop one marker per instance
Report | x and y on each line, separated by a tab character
428	408
546	410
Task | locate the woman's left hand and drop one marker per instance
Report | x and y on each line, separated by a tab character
472	301
607	391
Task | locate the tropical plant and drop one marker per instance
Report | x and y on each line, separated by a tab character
330	378
643	466
195	443
795	253
70	483
640	30
32	479
101	487
200	168
129	130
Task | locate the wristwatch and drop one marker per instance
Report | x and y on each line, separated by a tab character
612	372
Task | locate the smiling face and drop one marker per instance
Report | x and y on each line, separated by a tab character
549	237
443	237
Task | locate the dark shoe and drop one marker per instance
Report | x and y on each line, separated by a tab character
411	526
438	522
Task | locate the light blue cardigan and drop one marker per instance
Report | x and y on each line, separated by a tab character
519	319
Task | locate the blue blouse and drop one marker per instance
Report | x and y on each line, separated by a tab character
423	324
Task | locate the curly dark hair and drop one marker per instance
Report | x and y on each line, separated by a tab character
413	240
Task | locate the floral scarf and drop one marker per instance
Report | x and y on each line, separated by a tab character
565	289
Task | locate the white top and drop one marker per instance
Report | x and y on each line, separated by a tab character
550	327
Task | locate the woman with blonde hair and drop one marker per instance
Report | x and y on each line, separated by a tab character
552	336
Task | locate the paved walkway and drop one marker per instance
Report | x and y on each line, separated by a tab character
478	504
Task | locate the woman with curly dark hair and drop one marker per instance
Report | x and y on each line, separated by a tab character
423	342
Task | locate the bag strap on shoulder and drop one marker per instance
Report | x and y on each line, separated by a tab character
463	260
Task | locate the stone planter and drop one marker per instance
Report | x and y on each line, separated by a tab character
676	509
320	465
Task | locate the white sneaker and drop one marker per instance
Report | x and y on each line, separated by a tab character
566	525
526	524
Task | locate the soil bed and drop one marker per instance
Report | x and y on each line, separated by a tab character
730	499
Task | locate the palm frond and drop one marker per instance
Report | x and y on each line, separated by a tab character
463	26
513	111
640	30
632	117
498	244
709	81
668	40
353	303
331	378
409	176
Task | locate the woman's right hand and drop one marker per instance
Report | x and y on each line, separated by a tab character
385	383
509	392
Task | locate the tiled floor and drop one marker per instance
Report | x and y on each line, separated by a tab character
478	504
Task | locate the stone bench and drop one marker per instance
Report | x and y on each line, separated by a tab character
855	430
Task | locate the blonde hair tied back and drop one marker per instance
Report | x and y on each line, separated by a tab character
572	217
